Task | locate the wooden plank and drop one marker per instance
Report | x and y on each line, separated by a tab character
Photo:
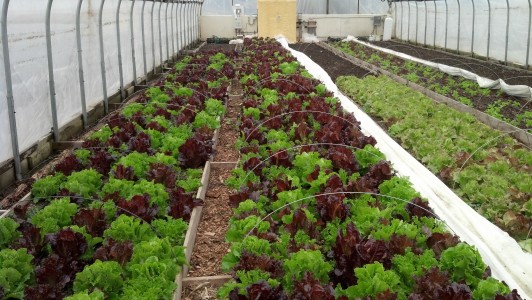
179	290
223	164
63	145
190	237
217	280
204	181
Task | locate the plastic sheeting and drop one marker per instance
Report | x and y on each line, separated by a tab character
502	253
522	91
27	45
217	7
411	21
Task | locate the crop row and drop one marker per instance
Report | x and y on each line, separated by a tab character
110	221
318	211
487	169
495	103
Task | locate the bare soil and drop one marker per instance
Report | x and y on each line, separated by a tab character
488	69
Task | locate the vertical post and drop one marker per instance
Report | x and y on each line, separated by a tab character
166	29
160	33
446	22
402	14
408	29
489	30
417	21
327	8
144	41
358	7
458	40
172	20
187	12
51	81
9	93
102	59
528	35
120	67
80	65
198	26
153	37
182	29
426	23
395	19
507	32
177	20
435	22
473	30
133	59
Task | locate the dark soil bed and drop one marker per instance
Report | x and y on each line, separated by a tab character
331	63
488	69
217	47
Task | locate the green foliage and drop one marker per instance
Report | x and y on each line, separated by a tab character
240	228
289	68
192	181
410	265
8	231
104	133
92	241
174	138
157	95
140	162
47	186
157	192
373	279
85	295
203	119
214	107
251	244
253	112
368	156
16	270
129	228
83	155
246	278
489	288
55	216
173	229
306	261
106	276
85	183
463	262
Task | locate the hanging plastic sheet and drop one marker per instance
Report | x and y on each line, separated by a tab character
502	253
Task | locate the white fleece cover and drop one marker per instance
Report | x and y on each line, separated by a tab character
522	91
507	260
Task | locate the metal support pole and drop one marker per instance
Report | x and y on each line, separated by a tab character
417	21
358	7
102	59
133	59
395	19
80	65
408	29
327	8
198	25
120	67
187	12
182	29
153	36
528	35
172	20
435	22
402	15
51	81
144	41
426	23
489	30
160	33
458	40
166	29
473	30
446	22
507	31
9	93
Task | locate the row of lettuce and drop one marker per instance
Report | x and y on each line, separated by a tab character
493	102
486	168
110	221
318	211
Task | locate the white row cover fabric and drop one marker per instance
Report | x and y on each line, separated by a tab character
224	7
27	45
501	252
412	17
522	91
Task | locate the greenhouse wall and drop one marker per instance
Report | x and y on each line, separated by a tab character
175	25
494	29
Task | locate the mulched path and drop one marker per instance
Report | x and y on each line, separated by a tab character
488	69
331	63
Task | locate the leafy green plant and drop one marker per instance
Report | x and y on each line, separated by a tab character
306	261
54	216
372	280
106	276
203	119
463	262
129	228
489	288
16	270
47	186
8	231
85	183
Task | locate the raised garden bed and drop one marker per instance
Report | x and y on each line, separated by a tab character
111	221
513	110
320	212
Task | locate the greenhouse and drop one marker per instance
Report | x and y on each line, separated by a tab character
266	149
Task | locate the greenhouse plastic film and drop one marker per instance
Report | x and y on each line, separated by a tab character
522	91
502	253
